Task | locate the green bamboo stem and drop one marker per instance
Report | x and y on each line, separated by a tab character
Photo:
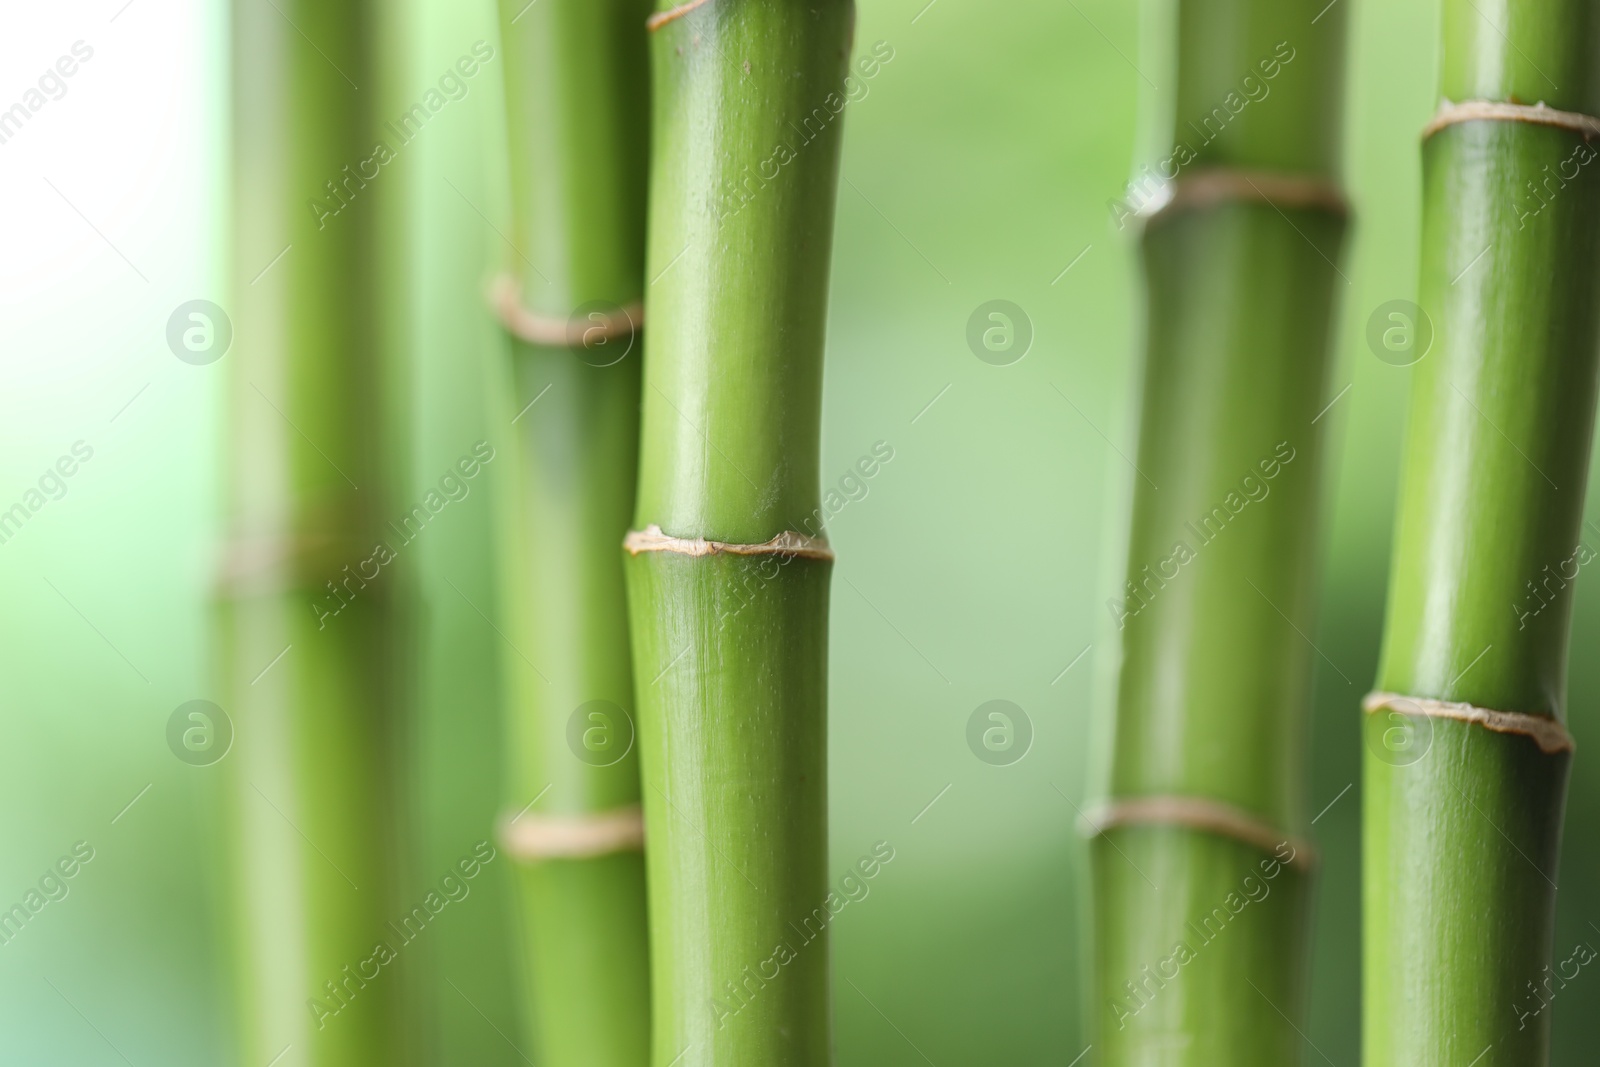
1200	870
577	96
316	697
730	650
1462	824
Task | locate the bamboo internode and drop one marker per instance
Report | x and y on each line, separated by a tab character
577	106
1201	869
733	719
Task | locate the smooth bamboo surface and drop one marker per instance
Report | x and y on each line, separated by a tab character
577	109
731	651
1462	825
1200	953
313	647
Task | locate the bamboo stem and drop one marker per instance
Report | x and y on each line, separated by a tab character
576	85
1199	871
316	693
730	646
1462	820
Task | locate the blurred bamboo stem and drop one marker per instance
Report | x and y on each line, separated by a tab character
317	694
730	645
1467	759
1200	873
577	108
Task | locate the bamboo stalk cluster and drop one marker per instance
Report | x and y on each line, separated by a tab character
667	569
1466	755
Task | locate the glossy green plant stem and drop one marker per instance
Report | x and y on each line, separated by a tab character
577	108
1200	949
735	767
583	918
312	645
1462	824
730	651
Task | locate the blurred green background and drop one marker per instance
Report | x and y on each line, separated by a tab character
978	167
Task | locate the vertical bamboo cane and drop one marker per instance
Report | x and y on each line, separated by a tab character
1467	756
577	93
1199	870
727	580
315	693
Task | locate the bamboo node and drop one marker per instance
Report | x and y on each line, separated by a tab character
1548	733
547	330
1222	185
1197	813
547	837
1450	113
788	543
661	18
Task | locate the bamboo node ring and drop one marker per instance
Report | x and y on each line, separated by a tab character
661	18
1548	733
788	543
546	837
1197	813
1451	113
552	332
1222	185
